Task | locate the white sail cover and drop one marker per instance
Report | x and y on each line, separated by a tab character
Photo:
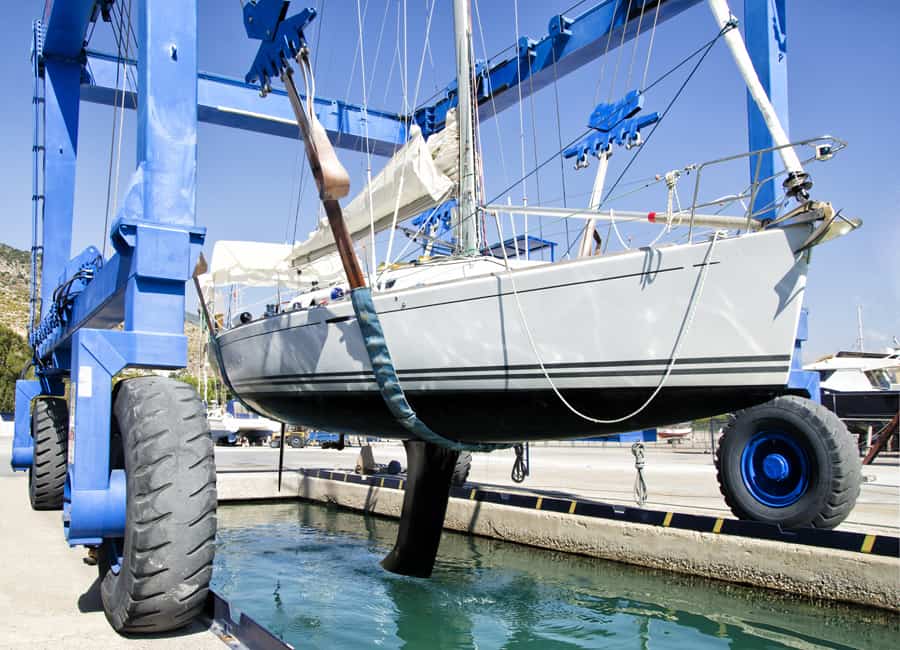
263	264
420	176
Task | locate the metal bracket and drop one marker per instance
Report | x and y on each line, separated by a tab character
612	124
282	38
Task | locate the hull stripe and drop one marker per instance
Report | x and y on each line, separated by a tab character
367	374
512	377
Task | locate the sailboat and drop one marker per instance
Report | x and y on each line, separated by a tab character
471	351
483	345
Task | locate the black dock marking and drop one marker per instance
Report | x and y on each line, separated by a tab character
834	539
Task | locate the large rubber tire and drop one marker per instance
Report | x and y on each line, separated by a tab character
806	431
157	578
50	433
462	469
296	441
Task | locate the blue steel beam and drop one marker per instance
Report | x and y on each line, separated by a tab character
61	79
765	31
65	26
569	44
232	103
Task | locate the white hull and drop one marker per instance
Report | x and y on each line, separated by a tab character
605	329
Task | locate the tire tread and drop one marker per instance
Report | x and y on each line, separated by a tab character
170	536
50	432
846	477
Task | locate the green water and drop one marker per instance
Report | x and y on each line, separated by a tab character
310	574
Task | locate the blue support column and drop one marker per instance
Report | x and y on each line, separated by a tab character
167	155
766	35
806	381
765	32
23	446
63	85
157	244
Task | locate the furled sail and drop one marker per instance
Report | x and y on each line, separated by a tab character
420	176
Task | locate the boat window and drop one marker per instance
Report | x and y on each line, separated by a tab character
879	378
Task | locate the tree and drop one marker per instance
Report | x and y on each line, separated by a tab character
14	355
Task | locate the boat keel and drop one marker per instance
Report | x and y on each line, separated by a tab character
429	472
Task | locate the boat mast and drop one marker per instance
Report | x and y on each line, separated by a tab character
466	227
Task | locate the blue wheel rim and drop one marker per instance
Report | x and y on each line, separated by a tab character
775	469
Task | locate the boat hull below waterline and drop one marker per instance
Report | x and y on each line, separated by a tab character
605	329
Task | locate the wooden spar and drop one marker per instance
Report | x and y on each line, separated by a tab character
331	177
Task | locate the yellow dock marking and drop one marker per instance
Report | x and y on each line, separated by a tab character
346	478
572	507
718	527
382	483
400	487
540	500
667	520
472	494
868	543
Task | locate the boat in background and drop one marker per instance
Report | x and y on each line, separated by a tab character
235	424
862	388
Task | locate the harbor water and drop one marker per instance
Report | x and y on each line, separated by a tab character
310	574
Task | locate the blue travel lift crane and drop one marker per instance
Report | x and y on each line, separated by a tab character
132	466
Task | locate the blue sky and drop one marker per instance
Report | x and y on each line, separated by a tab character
844	60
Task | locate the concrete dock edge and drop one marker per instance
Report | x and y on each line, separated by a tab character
794	568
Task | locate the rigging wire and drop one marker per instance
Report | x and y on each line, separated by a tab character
621	49
362	67
522	125
562	169
637	38
492	99
650	47
603	58
665	112
115	152
304	169
393	228
534	150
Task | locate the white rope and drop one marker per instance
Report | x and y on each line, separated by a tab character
682	334
615	227
640	486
